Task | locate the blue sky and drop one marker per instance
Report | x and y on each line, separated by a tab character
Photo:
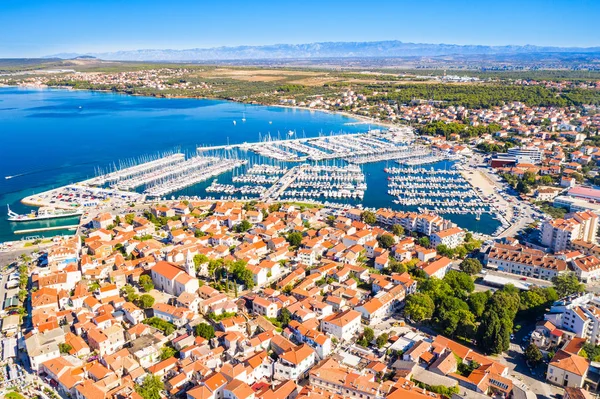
30	28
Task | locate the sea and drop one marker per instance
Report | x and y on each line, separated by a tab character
53	137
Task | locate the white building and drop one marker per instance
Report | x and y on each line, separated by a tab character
579	314
264	307
172	279
558	234
292	365
586	268
567	370
452	237
526	154
342	325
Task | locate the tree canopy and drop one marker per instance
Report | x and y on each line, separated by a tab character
150	388
146	283
205	331
386	241
419	307
368	217
294	239
567	284
146	301
471	266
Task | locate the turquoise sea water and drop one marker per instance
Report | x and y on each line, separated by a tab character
52	137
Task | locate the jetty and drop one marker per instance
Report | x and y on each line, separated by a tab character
27	231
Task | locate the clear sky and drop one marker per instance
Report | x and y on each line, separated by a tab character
31	28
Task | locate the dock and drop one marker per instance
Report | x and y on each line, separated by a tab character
26	231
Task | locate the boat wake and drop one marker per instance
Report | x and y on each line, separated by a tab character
32	172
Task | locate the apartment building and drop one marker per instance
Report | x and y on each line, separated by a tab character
558	234
452	237
524	261
579	314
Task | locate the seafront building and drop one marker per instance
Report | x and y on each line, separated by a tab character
524	261
558	234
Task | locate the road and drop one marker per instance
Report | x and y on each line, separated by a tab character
532	378
517	212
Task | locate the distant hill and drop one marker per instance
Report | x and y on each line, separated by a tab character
391	48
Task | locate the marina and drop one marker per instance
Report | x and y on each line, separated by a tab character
444	191
339	169
214	167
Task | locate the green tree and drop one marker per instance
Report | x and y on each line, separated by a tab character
494	333
368	335
200	260
437	289
129	292
146	301
146	283
150	388
242	274
382	340
294	239
459	282
533	354
567	284
471	266
129	218
505	302
590	351
424	242
167	352
478	301
445	250
205	331
284	317
64	348
398	230
160	324
386	241
419	307
243	226
368	217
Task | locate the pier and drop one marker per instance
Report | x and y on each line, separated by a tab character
136	170
26	231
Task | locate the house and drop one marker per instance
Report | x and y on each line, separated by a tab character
382	305
176	315
264	307
425	254
237	389
106	341
307	257
343	325
102	221
42	347
294	363
567	369
438	268
132	313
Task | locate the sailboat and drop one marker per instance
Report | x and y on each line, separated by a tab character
243	117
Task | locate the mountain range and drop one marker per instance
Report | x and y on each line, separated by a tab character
390	48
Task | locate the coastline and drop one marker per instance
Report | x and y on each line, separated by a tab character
360	118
